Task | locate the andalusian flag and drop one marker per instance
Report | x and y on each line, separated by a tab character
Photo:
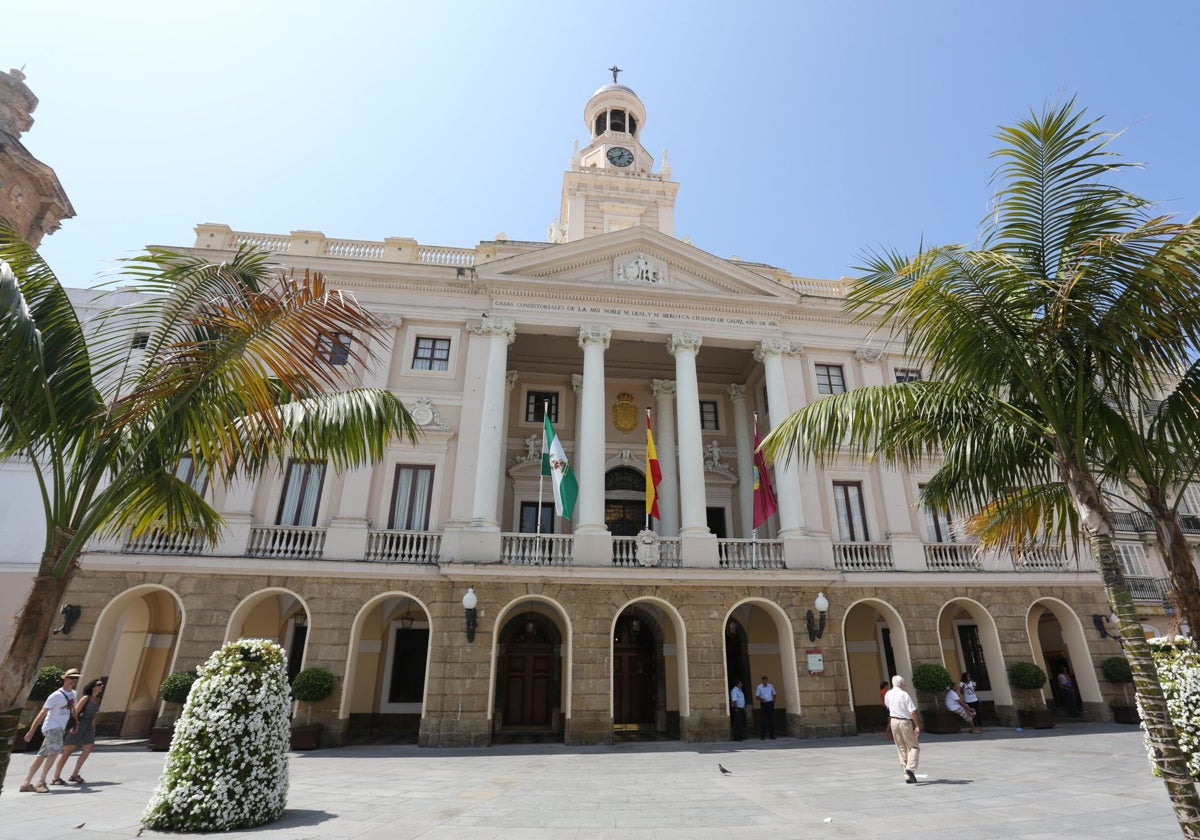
554	464
653	473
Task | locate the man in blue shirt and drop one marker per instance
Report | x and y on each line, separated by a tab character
766	700
737	710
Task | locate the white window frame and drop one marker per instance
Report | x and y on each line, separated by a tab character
415	331
830	366
1133	559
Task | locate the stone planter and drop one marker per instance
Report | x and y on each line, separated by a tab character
160	737
1035	719
32	745
1126	714
306	737
941	722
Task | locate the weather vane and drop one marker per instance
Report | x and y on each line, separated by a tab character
614	70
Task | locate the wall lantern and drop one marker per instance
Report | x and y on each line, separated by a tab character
470	602
70	613
1101	622
817	628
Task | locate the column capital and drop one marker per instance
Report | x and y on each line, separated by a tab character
594	334
494	327
662	387
773	347
681	341
868	354
510	379
737	393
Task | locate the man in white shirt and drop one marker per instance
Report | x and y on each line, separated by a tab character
53	717
954	704
766	701
906	727
737	710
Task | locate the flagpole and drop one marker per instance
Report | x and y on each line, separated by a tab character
754	529
649	478
541	475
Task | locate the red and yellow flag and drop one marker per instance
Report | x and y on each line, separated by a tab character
653	472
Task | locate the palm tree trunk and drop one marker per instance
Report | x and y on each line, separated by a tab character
1160	730
34	625
1182	572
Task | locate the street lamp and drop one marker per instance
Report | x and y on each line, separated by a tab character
470	602
817	629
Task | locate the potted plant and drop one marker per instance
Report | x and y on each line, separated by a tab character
174	692
1029	677
49	679
933	678
1117	671
312	685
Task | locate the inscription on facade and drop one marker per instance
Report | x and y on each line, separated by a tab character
682	317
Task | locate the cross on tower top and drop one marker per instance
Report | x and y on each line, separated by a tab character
615	70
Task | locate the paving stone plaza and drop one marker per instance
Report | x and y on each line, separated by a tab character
1078	781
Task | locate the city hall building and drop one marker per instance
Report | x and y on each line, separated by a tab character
425	584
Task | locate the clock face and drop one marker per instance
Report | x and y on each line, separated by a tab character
618	156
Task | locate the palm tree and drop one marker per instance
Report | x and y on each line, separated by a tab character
1075	295
229	376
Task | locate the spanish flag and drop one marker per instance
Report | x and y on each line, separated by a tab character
653	472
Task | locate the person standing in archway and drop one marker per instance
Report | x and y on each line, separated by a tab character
737	711
766	699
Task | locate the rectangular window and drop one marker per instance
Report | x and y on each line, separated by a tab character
431	354
937	525
536	405
851	511
908	375
301	493
1191	500
334	348
529	514
190	473
411	498
1133	559
708	416
140	340
830	379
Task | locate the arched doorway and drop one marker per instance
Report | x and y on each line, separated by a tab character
637	647
759	643
386	674
529	675
1057	638
134	644
624	501
876	650
276	614
971	643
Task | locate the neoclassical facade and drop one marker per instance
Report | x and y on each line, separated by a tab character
582	634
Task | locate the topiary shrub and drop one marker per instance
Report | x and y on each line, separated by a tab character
49	680
1116	670
312	685
932	678
1177	659
1026	676
175	688
228	765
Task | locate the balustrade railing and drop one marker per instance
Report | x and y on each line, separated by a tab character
463	257
286	541
750	554
158	541
1040	559
952	557
536	549
1148	589
1132	520
670	555
354	249
863	557
277	244
403	546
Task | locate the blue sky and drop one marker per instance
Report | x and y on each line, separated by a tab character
801	133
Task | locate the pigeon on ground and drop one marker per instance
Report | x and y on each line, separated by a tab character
724	772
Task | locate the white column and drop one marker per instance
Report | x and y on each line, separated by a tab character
379	358
510	380
664	442
745	460
237	509
770	352
346	538
491	433
684	347
590	447
907	551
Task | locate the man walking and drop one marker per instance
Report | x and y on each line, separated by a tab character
53	717
766	699
737	710
906	727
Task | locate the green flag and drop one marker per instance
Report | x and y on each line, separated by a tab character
554	464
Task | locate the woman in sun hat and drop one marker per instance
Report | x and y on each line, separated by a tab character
84	735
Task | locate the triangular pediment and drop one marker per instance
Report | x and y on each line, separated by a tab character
639	259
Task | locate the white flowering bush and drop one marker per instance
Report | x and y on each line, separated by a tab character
228	764
1177	659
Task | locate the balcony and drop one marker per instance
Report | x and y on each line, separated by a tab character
750	554
421	547
157	541
536	549
863	557
952	557
1132	520
1148	590
286	542
1040	559
670	556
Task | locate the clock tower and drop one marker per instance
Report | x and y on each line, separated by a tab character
611	184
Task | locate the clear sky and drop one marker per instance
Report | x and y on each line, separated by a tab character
801	133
